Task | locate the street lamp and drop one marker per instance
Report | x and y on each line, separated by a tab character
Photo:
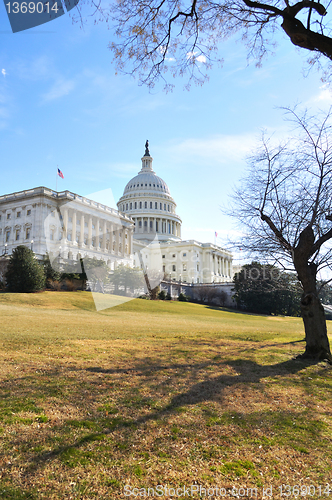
31	244
5	248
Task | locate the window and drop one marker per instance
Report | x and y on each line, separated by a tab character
69	236
139	223
131	206
7	235
174	267
164	206
145	223
85	224
85	240
0	217
146	204
173	255
28	212
164	269
17	235
140	204
161	206
150	224
27	233
135	204
150	204
70	219
164	256
18	215
168	207
184	255
126	206
197	267
157	226
155	205
184	267
93	242
8	216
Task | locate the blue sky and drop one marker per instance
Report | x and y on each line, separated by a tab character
61	103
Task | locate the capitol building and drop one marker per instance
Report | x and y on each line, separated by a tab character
144	231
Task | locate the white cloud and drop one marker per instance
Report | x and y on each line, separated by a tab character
217	148
324	95
3	71
192	55
59	89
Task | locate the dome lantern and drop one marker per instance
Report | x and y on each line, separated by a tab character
146	160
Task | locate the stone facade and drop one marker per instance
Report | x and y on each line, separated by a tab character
64	225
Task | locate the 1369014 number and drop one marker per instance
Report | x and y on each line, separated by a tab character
31	7
304	490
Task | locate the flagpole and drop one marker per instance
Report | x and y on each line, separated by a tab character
56	180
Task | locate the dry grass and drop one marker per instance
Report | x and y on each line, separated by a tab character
151	393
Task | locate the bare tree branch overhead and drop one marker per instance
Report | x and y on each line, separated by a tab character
178	36
284	204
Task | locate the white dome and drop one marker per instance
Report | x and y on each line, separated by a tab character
146	181
147	200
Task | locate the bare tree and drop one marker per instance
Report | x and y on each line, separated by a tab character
159	35
285	204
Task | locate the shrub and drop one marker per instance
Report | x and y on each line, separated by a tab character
182	297
168	296
162	295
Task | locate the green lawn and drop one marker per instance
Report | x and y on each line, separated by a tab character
156	393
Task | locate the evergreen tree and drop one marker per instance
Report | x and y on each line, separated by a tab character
52	274
24	273
266	289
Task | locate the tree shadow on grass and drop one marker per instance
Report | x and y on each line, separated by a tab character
209	390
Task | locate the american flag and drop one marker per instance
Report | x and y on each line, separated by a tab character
216	234
60	174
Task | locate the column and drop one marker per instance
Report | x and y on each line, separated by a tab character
103	245
124	232
73	235
148	224
97	233
117	238
90	232
130	242
82	231
111	238
65	223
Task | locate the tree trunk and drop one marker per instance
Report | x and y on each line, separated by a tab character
317	343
